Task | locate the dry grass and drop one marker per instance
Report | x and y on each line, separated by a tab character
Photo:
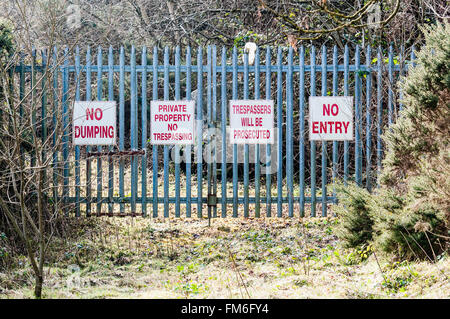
233	258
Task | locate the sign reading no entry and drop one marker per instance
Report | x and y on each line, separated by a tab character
94	123
251	122
172	122
330	118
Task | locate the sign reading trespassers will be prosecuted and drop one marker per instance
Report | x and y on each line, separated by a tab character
251	122
172	122
331	118
94	123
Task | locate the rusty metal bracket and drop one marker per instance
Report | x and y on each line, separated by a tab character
212	200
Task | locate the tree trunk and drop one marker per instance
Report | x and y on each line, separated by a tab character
38	287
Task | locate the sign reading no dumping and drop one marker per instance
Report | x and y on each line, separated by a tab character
251	122
172	122
94	123
331	118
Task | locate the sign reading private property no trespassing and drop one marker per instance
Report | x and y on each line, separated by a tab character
251	122
331	118
94	123
172	122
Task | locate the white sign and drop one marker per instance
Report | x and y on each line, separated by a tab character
251	122
331	118
172	122
94	123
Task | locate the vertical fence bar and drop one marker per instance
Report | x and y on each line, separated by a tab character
257	146
188	156
324	143
280	132
22	91
224	131
401	56
65	118
235	149
144	112
44	69
346	92
214	121
199	131
155	147
177	147
110	160
133	129
99	148
358	146
33	110
413	57
312	143
166	147
289	133
209	126
379	108
390	91
368	119
302	131
246	146
54	118
268	146
121	127
77	148
335	143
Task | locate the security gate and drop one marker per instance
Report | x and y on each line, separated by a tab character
282	179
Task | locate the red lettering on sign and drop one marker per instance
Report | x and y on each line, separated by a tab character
334	110
91	114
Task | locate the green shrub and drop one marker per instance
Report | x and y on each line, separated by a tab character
354	211
409	215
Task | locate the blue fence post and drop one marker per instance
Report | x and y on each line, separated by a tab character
368	119
224	131
379	108
65	138
188	156
280	132
390	91
177	147
88	160
133	129
199	131
144	112
313	143
289	134
302	131
246	146
214	121
54	118
209	125
121	127
257	146
346	92
77	148
401	56
268	146
335	143
324	143
166	147
155	147
358	124
235	149
99	148
110	160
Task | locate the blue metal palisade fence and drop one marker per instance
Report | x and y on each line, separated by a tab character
218	79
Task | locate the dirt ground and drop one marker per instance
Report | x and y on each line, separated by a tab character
233	258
